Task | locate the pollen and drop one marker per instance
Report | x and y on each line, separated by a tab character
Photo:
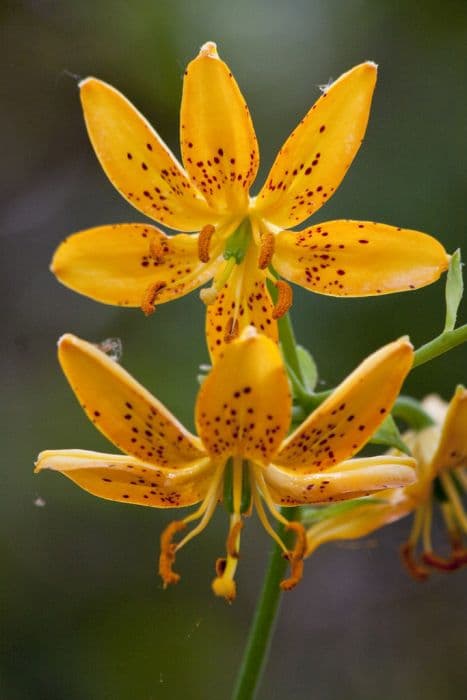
204	241
266	250
284	299
149	297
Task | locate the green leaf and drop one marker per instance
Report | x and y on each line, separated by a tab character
308	368
388	434
454	290
309	515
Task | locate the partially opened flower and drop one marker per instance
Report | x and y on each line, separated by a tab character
441	454
238	240
241	455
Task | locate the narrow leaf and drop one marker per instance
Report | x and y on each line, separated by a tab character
454	290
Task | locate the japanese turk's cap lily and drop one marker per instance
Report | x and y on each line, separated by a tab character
241	454
237	240
441	454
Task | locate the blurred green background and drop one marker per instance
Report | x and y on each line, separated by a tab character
83	614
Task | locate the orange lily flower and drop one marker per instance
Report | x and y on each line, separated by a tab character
441	454
238	241
241	454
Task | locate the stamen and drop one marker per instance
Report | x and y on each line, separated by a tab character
157	249
204	240
296	555
231	330
284	299
266	250
419	573
149	297
168	550
437	562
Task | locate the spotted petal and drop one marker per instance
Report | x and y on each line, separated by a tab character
452	447
123	410
137	161
342	424
129	480
318	153
359	258
113	264
350	479
244	300
218	142
244	405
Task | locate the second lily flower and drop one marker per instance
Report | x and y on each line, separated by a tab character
242	454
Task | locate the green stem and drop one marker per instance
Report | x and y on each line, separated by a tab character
444	342
262	628
288	343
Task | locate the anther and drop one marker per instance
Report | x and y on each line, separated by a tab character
284	299
419	573
295	557
168	551
232	550
231	330
157	249
204	240
149	297
440	563
266	250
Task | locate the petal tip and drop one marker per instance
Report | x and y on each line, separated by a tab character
66	339
87	82
209	49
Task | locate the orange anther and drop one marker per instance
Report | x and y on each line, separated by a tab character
168	551
440	563
231	330
149	297
419	573
295	557
266	250
284	299
204	240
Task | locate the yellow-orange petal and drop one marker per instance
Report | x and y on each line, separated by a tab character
359	258
116	264
317	154
244	405
243	301
349	479
452	447
128	480
137	161
218	142
342	424
123	410
361	521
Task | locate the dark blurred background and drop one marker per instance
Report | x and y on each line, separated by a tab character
83	614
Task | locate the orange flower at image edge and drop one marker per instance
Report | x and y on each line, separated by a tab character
238	241
441	454
242	454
